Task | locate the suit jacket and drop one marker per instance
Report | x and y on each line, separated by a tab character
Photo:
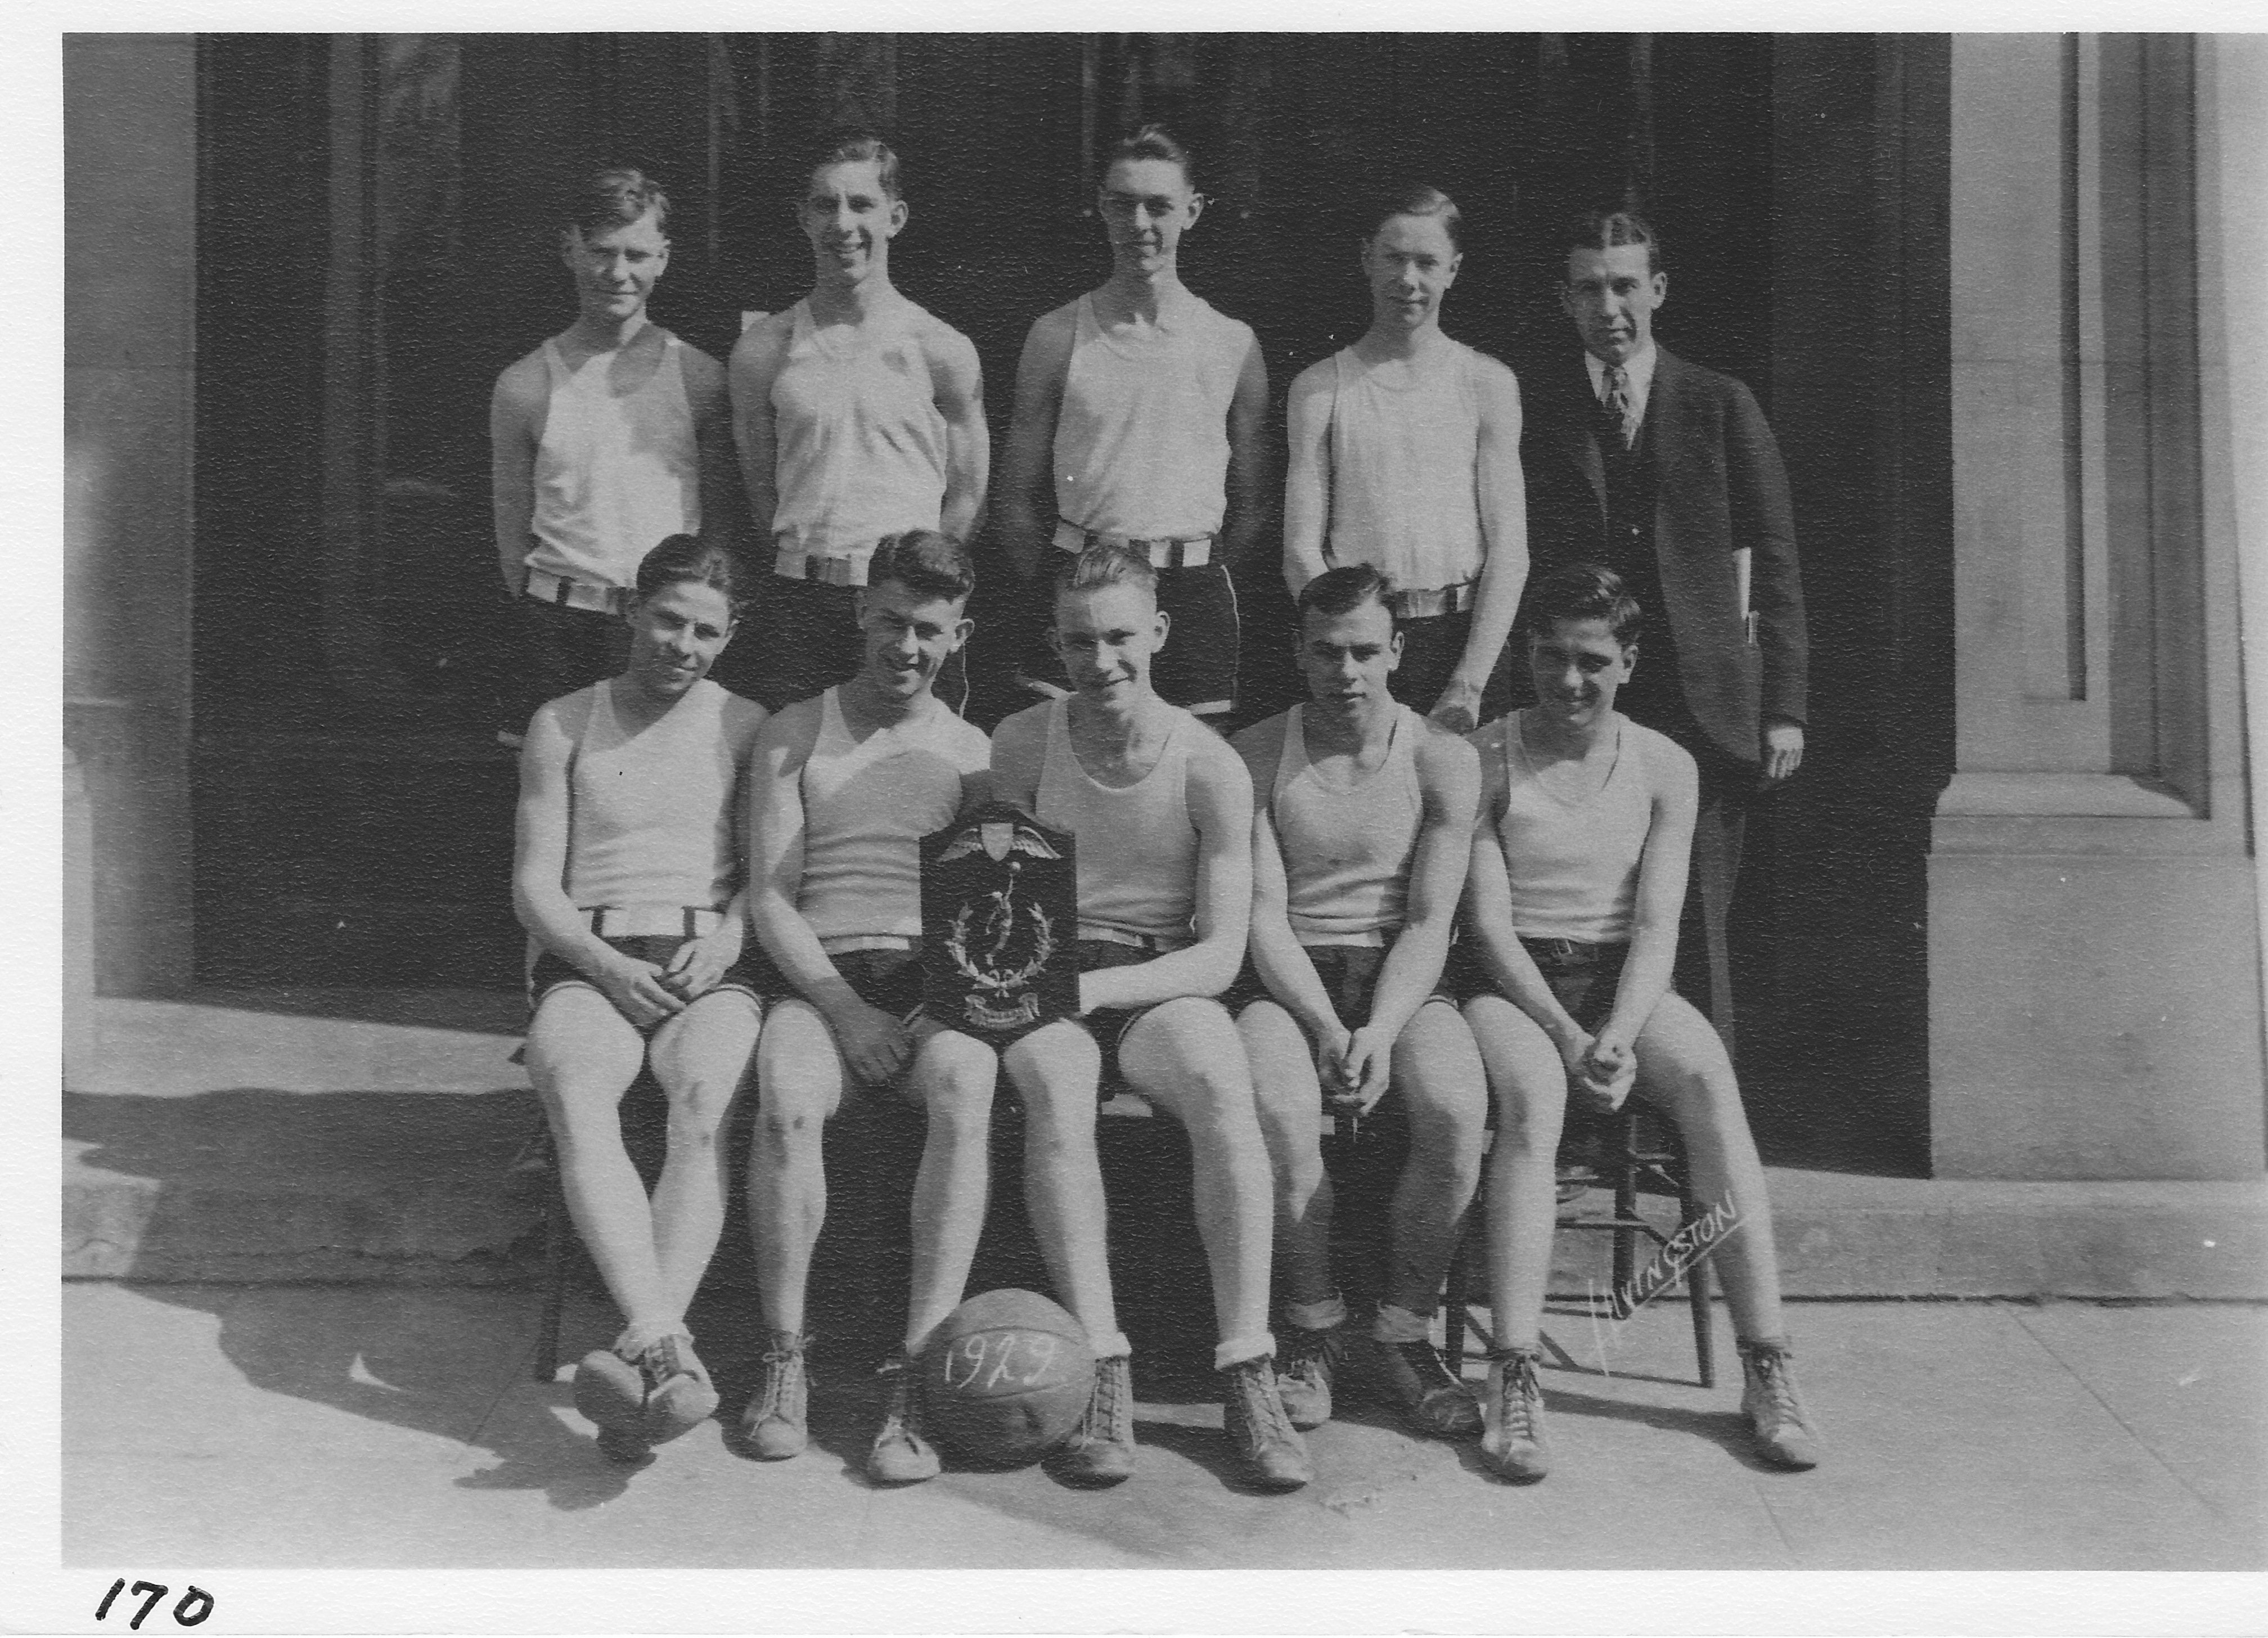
1718	485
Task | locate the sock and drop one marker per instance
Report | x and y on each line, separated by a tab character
1109	1345
1332	1311
1399	1324
1236	1350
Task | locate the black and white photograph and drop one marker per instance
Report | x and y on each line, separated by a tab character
1245	800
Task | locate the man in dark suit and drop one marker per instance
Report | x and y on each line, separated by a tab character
1666	473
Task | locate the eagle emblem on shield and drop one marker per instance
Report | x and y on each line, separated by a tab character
999	919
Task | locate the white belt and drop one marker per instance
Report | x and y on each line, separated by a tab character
1159	942
1374	940
654	921
829	568
1439	600
851	942
1179	552
546	587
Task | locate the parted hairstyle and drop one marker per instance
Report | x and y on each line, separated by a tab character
683	558
854	145
1104	564
925	563
1581	591
1604	230
1414	199
1341	591
1152	142
612	198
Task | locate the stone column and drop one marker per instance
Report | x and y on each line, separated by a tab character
2095	1002
129	192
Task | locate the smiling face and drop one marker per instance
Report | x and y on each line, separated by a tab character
675	637
906	637
1147	206
614	269
850	218
1106	635
1611	297
1409	263
1577	668
1346	657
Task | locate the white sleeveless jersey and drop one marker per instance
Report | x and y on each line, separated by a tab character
1348	848
861	444
1574	865
650	814
1405	490
1141	445
866	805
615	476
1138	846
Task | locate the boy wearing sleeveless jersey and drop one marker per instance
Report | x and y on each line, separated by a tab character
607	439
1578	878
1137	424
627	876
1161	809
1360	837
1405	456
858	416
846	786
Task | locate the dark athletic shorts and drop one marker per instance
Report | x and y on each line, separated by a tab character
549	972
1196	669
802	638
1584	977
1432	645
561	649
1350	973
1108	1025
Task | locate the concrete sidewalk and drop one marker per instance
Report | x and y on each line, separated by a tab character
369	1426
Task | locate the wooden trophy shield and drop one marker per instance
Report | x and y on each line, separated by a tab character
999	923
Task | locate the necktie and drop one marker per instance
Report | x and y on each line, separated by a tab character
1616	401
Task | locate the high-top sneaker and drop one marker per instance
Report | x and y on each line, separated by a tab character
776	1423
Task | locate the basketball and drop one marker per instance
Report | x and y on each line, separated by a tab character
1007	1377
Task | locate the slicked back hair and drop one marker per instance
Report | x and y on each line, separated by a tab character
1152	142
1604	230
925	563
1581	591
1415	199
1341	591
1105	565
612	198
684	558
852	145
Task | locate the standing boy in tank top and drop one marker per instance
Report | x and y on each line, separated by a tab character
1578	879
1161	809
606	439
846	786
1138	418
1360	838
627	876
1405	455
858	416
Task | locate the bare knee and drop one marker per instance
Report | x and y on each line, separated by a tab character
790	1116
957	1095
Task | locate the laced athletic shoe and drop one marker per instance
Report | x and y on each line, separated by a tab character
1512	1418
1411	1378
1312	1359
1784	1437
1100	1449
902	1453
643	1396
776	1423
1261	1435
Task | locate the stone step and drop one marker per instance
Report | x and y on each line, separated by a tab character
370	1137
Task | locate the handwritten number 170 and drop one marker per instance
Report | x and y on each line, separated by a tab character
194	1606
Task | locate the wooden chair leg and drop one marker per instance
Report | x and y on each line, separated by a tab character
1699	1280
1625	1162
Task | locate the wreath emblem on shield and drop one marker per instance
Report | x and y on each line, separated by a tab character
1001	941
